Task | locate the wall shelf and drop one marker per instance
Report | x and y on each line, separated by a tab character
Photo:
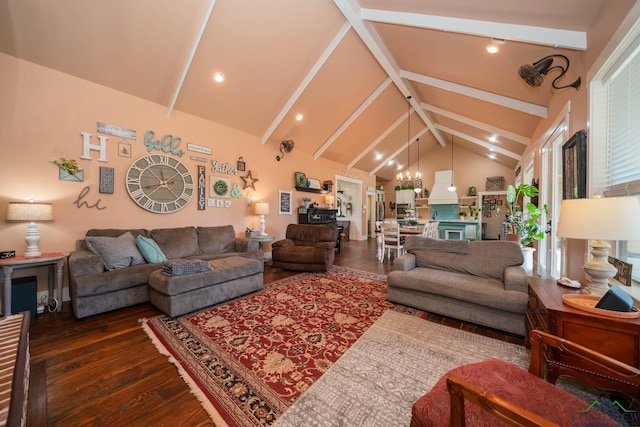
312	190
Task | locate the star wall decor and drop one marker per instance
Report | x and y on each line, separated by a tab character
249	181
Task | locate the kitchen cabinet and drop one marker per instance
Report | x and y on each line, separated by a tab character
405	196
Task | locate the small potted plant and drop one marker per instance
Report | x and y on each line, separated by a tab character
462	215
524	222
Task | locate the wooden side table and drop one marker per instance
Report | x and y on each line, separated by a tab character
615	337
50	259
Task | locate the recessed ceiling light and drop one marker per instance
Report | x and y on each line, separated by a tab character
218	76
390	162
378	156
492	156
492	48
493	138
399	167
299	117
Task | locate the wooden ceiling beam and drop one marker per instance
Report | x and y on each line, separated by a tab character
477	124
352	12
568	39
305	82
504	101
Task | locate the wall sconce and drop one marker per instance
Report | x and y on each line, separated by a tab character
285	147
532	73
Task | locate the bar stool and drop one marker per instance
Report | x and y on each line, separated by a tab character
448	232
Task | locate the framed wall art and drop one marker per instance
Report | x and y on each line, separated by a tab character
284	203
574	166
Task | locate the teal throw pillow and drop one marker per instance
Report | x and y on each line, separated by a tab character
150	250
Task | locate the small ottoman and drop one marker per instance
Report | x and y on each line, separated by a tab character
227	278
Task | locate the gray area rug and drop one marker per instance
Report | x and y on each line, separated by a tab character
396	361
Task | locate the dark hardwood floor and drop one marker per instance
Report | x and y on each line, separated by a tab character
104	371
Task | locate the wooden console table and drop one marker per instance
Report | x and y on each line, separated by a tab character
614	337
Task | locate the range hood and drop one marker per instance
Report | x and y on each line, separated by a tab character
440	194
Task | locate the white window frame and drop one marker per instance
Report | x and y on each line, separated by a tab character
607	65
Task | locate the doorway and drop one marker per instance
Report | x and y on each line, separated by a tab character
351	205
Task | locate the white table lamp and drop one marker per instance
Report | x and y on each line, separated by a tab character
22	211
329	199
262	209
599	219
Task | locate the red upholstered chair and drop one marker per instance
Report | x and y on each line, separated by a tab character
495	392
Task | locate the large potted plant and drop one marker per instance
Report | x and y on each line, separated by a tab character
524	221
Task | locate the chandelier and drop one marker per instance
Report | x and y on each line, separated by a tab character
417	183
405	180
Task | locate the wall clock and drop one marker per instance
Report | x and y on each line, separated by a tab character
159	183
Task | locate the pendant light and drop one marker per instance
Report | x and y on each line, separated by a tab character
418	181
452	187
406	180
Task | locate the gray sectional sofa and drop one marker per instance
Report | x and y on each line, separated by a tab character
482	282
107	273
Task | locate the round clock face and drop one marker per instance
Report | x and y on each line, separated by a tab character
159	183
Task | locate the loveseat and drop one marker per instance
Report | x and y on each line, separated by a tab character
107	271
482	282
306	247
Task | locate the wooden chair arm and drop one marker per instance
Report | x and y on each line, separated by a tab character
578	358
459	390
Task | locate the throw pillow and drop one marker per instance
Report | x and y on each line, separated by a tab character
150	250
116	252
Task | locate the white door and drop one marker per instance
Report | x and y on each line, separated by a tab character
550	248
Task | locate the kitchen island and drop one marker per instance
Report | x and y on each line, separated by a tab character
469	229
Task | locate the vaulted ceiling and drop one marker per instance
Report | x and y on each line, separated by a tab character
347	66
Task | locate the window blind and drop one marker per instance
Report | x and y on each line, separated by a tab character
623	131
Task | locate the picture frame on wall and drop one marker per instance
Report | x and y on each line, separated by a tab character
285	206
574	166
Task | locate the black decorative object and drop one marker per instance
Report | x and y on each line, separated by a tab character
533	74
241	165
574	166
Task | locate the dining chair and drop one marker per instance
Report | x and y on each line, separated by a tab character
391	239
430	230
379	240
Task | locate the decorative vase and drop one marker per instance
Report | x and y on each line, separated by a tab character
527	252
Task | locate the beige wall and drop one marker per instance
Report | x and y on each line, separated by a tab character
43	112
603	39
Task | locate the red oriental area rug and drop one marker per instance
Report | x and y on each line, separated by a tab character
248	360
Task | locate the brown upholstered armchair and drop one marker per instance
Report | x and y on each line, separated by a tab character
306	248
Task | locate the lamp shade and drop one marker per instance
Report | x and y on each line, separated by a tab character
609	218
261	208
329	199
23	211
